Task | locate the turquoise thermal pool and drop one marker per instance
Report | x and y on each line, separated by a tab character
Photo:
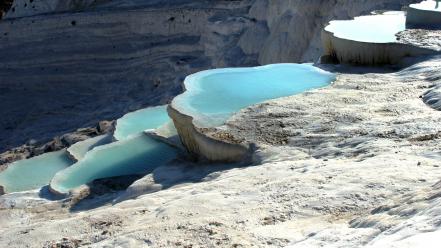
137	155
35	172
98	157
133	153
428	5
212	96
136	122
374	28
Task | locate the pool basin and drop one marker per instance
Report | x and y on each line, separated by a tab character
369	40
139	154
138	121
33	173
213	96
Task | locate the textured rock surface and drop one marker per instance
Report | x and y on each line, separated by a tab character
430	39
63	71
34	148
356	163
202	146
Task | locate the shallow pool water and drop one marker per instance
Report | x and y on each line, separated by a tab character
212	96
373	28
79	149
136	155
427	5
136	122
133	153
35	172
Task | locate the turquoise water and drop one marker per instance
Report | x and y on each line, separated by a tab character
373	28
213	96
133	153
427	5
136	155
138	121
79	149
35	172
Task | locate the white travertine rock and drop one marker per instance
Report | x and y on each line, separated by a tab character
204	147
360	167
365	53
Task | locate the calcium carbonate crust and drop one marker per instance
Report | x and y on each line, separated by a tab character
204	147
366	53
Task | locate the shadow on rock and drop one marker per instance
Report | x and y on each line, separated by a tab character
176	174
100	192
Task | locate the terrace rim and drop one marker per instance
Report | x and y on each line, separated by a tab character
419	18
196	137
368	53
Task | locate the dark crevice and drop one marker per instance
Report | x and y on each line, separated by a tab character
5	5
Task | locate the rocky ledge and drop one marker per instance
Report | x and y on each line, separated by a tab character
34	148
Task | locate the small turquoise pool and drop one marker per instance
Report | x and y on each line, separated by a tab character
35	172
136	122
373	28
136	155
428	5
212	96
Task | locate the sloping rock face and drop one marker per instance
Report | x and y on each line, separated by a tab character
78	62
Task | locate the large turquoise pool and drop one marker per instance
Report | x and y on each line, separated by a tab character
212	96
373	28
35	172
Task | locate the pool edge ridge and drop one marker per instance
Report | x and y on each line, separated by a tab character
56	192
100	140
202	146
77	192
369	53
419	18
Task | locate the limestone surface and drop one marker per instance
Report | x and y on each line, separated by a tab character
353	164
